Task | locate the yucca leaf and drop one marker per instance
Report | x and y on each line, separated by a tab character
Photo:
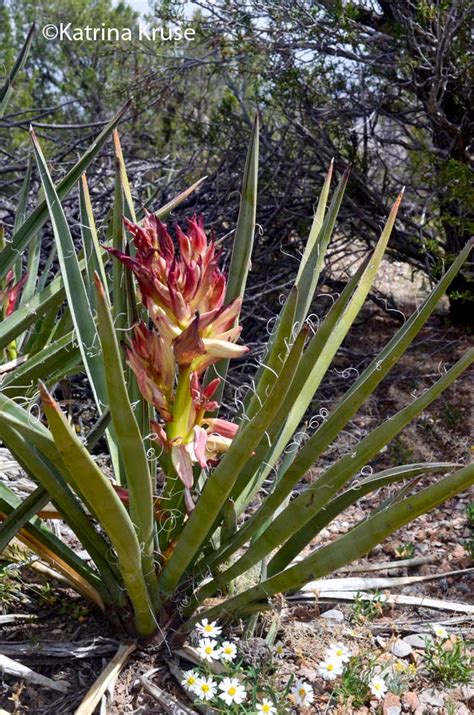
275	357
60	357
88	480
78	300
165	210
129	206
23	317
282	428
17	518
35	534
217	490
8	86
38	217
129	438
325	344
90	242
336	506
318	241
349	405
243	240
357	542
20	216
305	506
51	479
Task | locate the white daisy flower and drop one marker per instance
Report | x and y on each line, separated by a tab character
279	649
208	630
266	707
208	649
377	686
232	691
329	669
228	651
302	692
439	631
190	679
338	652
205	688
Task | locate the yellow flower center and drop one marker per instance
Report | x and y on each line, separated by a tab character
191	680
330	666
302	692
208	649
208	628
205	688
232	690
266	708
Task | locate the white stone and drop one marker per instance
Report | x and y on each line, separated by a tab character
401	649
333	615
416	640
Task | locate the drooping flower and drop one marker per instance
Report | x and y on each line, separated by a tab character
209	630
378	686
151	359
338	651
228	651
330	668
266	707
190	679
232	691
302	692
205	688
183	291
209	649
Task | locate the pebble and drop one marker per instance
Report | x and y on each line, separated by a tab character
431	696
462	709
333	615
391	705
401	649
416	640
410	701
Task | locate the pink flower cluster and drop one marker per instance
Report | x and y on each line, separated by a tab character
183	291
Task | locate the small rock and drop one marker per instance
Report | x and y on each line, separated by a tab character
392	705
458	552
431	696
401	649
410	701
416	640
333	615
461	709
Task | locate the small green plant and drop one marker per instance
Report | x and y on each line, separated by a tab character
448	661
405	550
10	587
452	415
353	686
366	608
400	677
469	543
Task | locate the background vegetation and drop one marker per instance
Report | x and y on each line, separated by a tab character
384	86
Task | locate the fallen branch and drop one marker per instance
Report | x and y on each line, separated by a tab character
18	670
390	599
356	583
96	691
169	703
88	648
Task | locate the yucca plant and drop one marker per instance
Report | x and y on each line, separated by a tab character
165	536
